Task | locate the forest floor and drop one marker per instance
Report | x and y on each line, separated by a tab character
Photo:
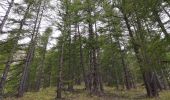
80	94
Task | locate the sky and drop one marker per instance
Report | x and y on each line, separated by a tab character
46	23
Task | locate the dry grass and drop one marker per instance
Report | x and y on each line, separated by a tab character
80	94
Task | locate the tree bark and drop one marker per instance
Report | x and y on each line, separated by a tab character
127	76
81	58
40	70
168	14
161	25
148	76
95	89
41	66
59	80
29	57
12	52
70	66
94	67
6	15
98	61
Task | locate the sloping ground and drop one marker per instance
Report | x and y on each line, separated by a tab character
80	94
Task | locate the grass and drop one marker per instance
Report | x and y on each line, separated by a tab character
80	94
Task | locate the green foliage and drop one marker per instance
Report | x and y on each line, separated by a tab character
114	30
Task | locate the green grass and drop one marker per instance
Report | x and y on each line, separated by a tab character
80	94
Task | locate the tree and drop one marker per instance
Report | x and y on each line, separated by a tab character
6	15
30	53
40	69
13	50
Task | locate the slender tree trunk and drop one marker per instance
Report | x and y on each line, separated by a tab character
150	84
93	52
59	80
98	62
160	83
6	16
113	65
40	70
29	57
165	82
127	76
70	66
13	50
167	13
148	76
47	81
94	67
81	58
161	25
116	74
41	66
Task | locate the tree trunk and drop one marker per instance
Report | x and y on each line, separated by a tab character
6	15
40	72
41	66
148	76
81	58
167	13
94	67
165	82
113	64
49	74
127	75
13	50
159	82
29	57
70	65
98	61
59	80
161	25
150	83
